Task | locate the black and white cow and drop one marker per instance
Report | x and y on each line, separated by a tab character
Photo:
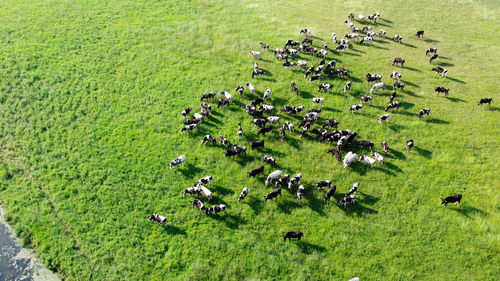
353	189
321	184
239	89
255	144
256	54
385	147
383	118
208	138
356	107
273	194
174	163
300	192
210	95
433	57
397	38
393	95
330	123
393	105
373	78
295	180
442	71
186	111
268	160
191	121
451	199
431	50
442	90
223	102
191	190
158	218
397	61
257	101
257	72
329	194
288	64
347	86
367	40
309	71
320	101
264	130
324	87
282	134
305	31
204	181
198	204
365	143
243	194
485	100
223	141
264	46
293	234
409	144
289	126
260	122
382	33
273	119
423	112
396	75
283	181
240	131
377	86
251	88
347	200
316	77
294	88
399	85
216	209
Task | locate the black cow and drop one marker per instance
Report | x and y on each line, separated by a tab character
273	194
335	153
420	33
451	199
431	50
293	234
257	171
264	130
442	90
365	143
260	122
433	57
398	60
255	144
399	85
321	184
409	144
186	111
329	193
208	138
316	77
347	200
440	70
198	205
393	95
257	101
485	100
223	102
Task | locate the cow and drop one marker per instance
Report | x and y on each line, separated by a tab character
306	32
382	33
243	194
239	89
431	50
315	77
365	143
351	16
230	153
294	88
325	87
210	95
264	130
334	37
377	86
283	181
251	88
272	176
349	158
323	52
396	75
204	181
268	160
329	194
307	41
442	71
366	99
295	180
420	33
361	18
223	141
371	34
300	192
392	105
288	64
264	46
273	194
331	64
240	131
255	54
353	36
174	163
442	90
192	190
397	61
366	29
158	218
397	38
336	153
485	100
423	112
321	184
373	78
330	123
379	158
273	119
257	72
347	86
198	205
208	138
223	102
288	125
383	118
409	144
385	147
293	234
433	57
353	189
347	200
206	192
356	107
216	209
257	101
399	85
267	108
282	134
451	199
367	40
320	101
255	144
191	121
186	111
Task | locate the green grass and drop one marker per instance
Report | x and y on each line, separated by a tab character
90	100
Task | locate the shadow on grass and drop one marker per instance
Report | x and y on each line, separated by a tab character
409	45
410	83
456	80
395	127
428	40
412	68
357	209
397	154
369	199
444	64
230	220
222	190
306	95
437	121
423	152
455	99
172	229
469	211
393	167
308	248
411	93
257	204
189	170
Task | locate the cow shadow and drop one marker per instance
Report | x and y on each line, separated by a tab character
409	45
377	47
396	127
428	40
230	220
369	199
257	204
455	99
469	211
315	203
410	83
397	154
355	79
456	80
295	143
172	229
437	121
410	93
357	209
330	109
351	54
423	152
189	170
277	101
392	167
244	159
212	119
445	64
306	94
412	69
288	206
223	190
357	51
308	248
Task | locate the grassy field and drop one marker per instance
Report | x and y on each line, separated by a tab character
90	99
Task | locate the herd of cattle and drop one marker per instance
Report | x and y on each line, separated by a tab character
343	139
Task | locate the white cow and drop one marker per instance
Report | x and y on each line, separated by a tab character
206	192
177	161
377	86
273	119
267	94
255	54
273	176
349	158
367	160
